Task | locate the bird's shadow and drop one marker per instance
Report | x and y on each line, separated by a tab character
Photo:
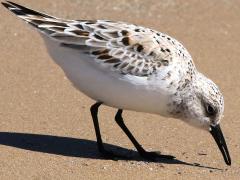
67	146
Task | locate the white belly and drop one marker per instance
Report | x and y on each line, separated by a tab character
111	88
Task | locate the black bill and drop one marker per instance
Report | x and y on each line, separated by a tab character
219	138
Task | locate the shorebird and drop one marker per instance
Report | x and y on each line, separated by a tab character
130	67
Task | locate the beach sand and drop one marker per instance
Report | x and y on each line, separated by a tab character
46	130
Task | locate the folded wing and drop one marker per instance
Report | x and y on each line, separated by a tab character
121	47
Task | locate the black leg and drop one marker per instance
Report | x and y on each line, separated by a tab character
141	151
94	113
102	150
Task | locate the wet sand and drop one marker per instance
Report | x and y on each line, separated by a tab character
46	131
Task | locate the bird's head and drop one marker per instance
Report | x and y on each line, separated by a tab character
202	105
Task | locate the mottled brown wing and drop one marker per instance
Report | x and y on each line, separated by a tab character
125	48
119	46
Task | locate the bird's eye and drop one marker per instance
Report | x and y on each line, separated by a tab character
210	110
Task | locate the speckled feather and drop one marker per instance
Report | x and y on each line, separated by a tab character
119	46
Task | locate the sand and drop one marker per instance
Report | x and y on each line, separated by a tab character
46	131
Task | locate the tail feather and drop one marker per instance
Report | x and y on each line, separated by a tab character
44	23
22	11
64	31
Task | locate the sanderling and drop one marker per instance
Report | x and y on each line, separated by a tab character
130	67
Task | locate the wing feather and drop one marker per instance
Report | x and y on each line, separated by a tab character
125	48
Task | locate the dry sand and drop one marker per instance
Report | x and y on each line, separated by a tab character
45	127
